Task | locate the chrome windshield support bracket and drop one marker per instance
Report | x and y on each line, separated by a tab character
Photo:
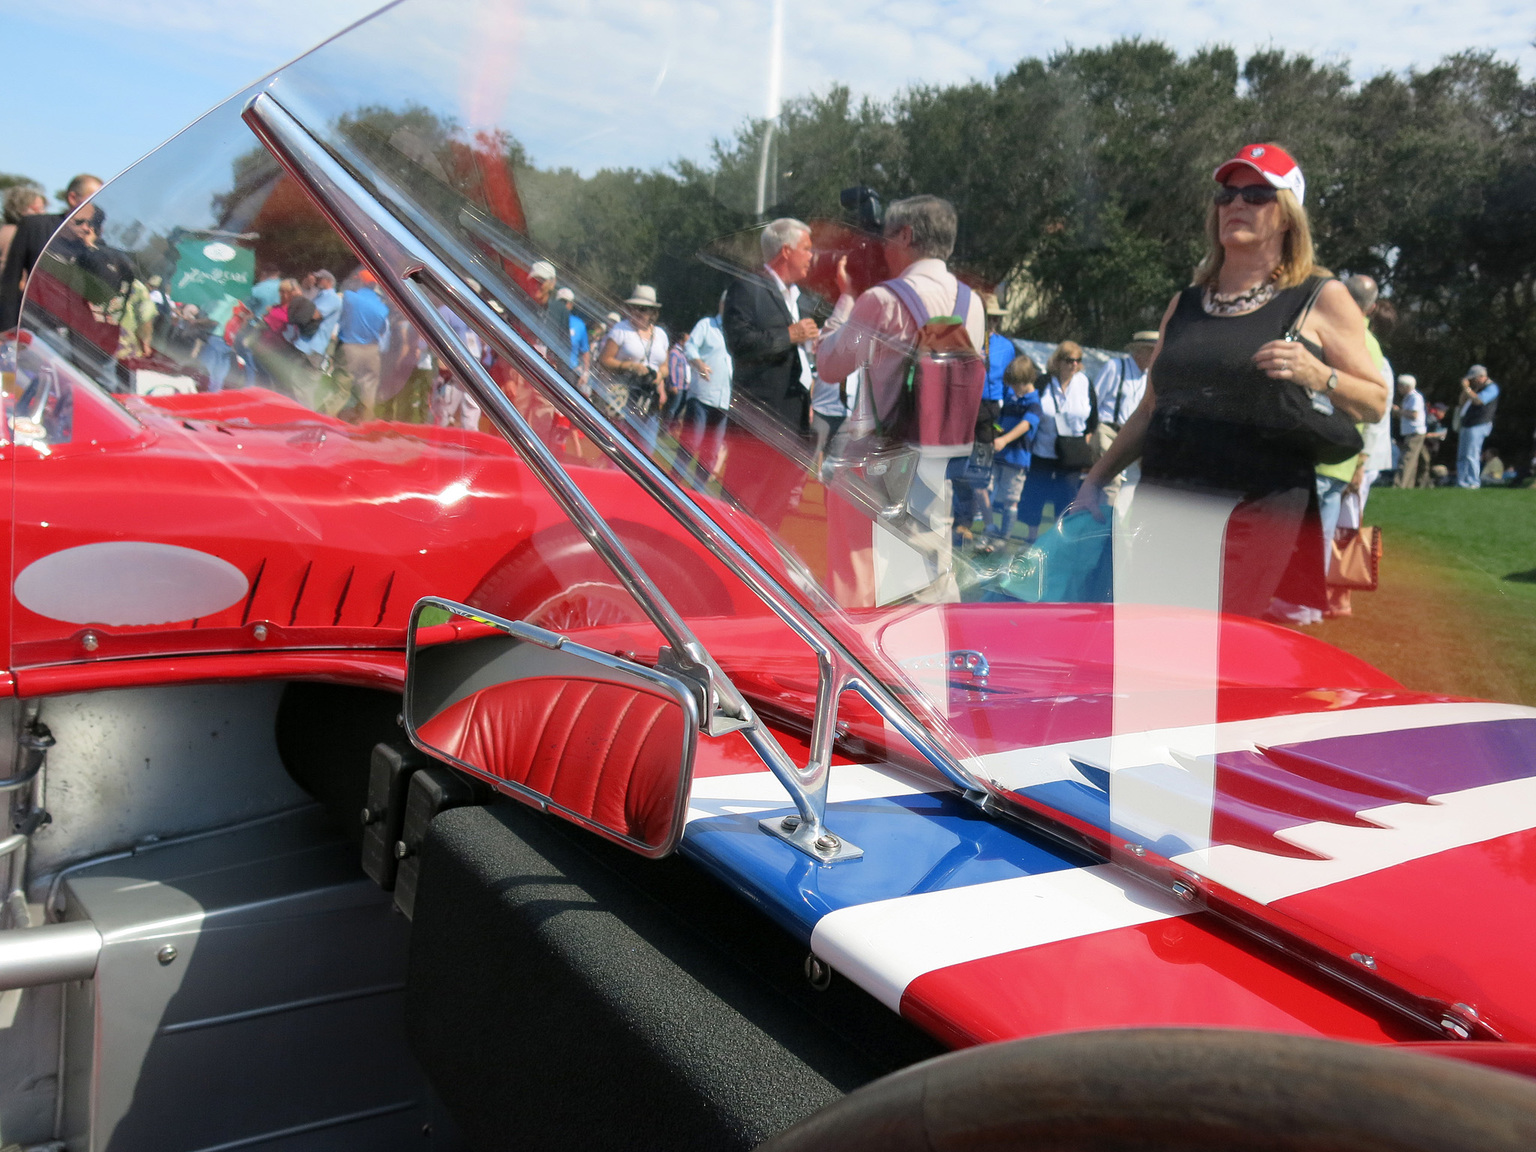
408	268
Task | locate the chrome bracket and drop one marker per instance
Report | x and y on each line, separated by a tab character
813	839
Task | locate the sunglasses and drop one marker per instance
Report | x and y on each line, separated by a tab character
1251	194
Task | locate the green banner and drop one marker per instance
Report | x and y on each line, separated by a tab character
209	270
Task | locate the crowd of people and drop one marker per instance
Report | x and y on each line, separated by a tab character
1265	380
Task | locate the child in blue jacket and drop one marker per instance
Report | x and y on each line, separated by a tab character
1020	417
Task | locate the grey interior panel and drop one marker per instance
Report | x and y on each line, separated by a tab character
248	995
158	762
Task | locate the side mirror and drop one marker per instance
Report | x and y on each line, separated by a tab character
601	741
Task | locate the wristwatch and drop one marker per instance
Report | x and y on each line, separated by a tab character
1333	382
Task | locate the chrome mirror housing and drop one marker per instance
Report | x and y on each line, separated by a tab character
598	740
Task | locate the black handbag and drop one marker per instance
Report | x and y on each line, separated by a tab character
1074	453
1307	420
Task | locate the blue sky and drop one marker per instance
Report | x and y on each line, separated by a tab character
94	84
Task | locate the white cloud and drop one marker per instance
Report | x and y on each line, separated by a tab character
577	82
591	83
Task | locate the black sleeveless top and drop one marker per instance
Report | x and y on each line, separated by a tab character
1216	420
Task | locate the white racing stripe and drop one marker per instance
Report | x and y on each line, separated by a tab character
1412	832
761	791
885	945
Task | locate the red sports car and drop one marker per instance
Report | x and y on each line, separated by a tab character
434	726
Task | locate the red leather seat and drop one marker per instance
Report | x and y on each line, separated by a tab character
607	751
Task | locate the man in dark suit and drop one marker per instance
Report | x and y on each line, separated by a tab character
769	340
31	237
765	330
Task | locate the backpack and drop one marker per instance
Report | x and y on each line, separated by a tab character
941	388
304	316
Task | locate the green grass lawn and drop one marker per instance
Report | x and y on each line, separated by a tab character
1456	610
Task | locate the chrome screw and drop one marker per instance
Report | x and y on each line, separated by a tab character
1451	1026
402	849
1362	959
1183	891
89	642
166	954
789	823
260	631
1135	849
828	843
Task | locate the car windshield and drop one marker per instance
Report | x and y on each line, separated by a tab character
895	345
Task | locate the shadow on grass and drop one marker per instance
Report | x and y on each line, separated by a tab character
1526	577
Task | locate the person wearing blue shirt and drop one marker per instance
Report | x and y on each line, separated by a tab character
328	305
363	321
266	292
579	354
1000	353
1474	417
967	496
709	393
1019	419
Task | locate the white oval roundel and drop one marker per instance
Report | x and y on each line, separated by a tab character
128	582
219	253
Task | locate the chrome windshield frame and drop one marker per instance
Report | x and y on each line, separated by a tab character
413	275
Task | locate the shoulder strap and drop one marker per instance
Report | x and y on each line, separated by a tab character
909	299
1306	309
962	301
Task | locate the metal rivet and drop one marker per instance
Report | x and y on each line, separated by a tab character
1362	959
89	642
402	849
1135	849
827	842
260	631
1183	891
166	954
789	823
369	816
818	972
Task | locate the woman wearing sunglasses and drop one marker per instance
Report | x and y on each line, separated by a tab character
1059	451
1208	419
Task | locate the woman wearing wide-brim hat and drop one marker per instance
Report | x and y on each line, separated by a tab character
1221	372
636	351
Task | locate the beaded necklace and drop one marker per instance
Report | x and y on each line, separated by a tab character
1238	303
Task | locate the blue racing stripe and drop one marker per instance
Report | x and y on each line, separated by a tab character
1448	758
911	844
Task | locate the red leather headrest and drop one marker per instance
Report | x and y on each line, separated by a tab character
606	751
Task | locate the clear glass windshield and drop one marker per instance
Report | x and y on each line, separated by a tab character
983	374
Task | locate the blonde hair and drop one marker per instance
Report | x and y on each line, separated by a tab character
1067	348
1297	258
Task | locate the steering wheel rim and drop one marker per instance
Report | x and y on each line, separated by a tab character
1178	1090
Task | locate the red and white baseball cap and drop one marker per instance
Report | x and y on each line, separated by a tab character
1271	162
